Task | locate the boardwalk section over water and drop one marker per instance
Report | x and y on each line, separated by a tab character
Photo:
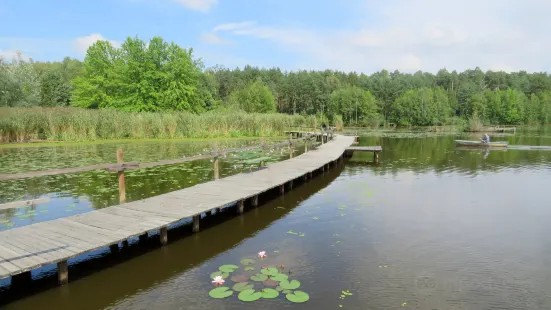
54	242
374	149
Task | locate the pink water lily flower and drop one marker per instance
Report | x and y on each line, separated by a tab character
218	280
262	254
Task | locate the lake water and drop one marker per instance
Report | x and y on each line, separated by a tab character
429	227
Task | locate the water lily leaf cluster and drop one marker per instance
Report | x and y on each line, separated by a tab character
269	283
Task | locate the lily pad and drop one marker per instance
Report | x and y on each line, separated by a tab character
249	295
239	287
289	285
270	271
247	261
228	268
287	292
220	292
249	268
219	273
259	277
269	293
280	277
271	283
279	289
240	278
298	297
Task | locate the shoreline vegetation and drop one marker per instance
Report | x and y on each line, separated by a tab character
158	90
81	125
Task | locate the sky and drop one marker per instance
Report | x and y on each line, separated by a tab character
349	35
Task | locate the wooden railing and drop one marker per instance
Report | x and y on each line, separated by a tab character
216	154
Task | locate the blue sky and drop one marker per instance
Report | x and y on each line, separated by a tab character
350	35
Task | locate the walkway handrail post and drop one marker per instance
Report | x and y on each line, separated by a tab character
122	185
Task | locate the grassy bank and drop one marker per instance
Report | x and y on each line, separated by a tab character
73	124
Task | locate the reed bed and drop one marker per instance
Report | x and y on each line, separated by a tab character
74	124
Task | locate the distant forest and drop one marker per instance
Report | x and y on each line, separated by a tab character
157	75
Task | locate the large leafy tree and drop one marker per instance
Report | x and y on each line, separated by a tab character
357	106
255	98
139	76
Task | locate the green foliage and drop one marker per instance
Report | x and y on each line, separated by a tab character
54	89
140	76
72	124
424	106
255	98
19	83
356	105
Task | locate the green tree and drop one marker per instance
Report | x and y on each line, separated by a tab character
357	106
54	89
425	106
255	98
19	83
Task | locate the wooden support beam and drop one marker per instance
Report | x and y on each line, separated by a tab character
163	235
291	151
282	189
240	206
254	201
196	220
291	185
124	243
376	156
122	186
62	273
310	175
305	177
305	146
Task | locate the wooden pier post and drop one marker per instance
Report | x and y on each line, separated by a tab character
163	235
376	157
143	237
122	186
196	220
291	150
282	189
114	248
291	185
254	201
305	146
216	170
62	273
240	206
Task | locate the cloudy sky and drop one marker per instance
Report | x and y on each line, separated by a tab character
350	35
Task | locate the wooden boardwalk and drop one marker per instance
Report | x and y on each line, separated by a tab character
54	242
374	149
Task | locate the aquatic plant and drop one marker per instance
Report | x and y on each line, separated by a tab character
262	254
218	280
271	283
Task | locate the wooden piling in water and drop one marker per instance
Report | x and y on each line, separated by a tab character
122	185
62	273
216	171
163	235
254	201
196	220
240	206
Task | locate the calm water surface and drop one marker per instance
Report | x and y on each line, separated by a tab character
430	227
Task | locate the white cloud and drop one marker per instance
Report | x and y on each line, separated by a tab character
233	26
213	39
82	44
423	34
198	5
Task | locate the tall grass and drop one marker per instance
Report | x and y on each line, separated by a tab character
73	124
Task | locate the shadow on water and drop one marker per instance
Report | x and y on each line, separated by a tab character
145	264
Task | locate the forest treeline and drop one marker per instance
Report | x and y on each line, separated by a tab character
158	76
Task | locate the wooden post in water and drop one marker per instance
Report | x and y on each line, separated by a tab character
254	201
163	235
282	189
291	149
376	157
240	206
216	162
196	219
122	186
62	273
216	170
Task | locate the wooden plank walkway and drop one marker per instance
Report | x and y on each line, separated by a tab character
375	149
29	247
